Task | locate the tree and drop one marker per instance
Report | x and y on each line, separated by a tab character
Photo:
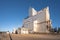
58	30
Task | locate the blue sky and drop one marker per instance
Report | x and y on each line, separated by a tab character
12	12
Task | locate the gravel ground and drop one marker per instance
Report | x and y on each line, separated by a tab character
30	37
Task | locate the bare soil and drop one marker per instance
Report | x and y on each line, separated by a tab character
29	37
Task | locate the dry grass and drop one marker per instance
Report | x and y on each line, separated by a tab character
30	37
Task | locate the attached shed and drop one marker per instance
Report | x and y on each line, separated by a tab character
24	31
